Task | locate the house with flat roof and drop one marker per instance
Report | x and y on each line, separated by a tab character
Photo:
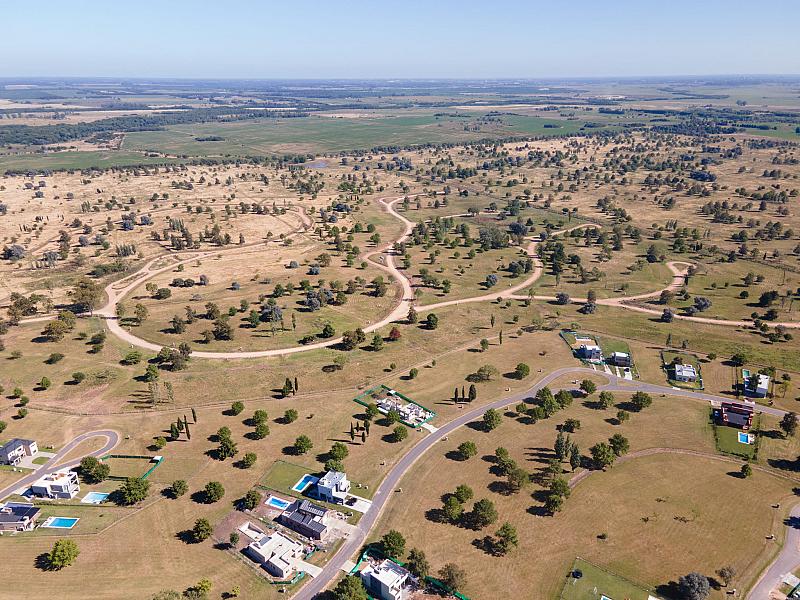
685	373
276	553
736	415
11	453
757	385
306	518
61	485
333	487
386	580
18	516
590	352
620	359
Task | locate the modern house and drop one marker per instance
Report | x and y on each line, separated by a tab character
307	519
620	359
757	385
18	516
408	411
61	485
590	352
276	553
11	453
736	415
386	580
333	487
685	373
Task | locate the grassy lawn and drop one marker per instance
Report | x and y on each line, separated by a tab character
40	460
728	442
596	582
92	518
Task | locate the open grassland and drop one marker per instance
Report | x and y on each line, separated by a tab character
653	528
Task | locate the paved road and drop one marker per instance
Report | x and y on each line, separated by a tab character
787	560
386	490
54	464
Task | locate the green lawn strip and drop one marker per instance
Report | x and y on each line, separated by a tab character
596	582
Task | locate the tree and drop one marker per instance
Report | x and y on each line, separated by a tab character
93	471
178	488
746	470
473	393
492	419
393	544
467	450
151	373
453	509
574	457
553	503
727	573
693	586
483	513
602	455
233	538
563	398
302	444
372	411
522	371
417	563
622	416
237	408
789	424
201	530
588	387
86	295
140	312
619	444
213	492
290	416
134	490
55	331
506	538
63	554
251	500
517	479
606	399
399	433
453	576
641	400
432	321
350	588
377	343
413	317
248	460
260	417
339	451
227	448
463	493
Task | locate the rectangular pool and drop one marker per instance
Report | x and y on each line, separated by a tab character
304	482
60	522
278	503
94	498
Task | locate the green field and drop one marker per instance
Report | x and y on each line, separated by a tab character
728	442
76	160
595	583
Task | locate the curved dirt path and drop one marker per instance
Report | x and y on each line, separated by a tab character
386	489
54	464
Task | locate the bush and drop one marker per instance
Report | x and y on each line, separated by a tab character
399	433
250	500
54	358
178	488
134	490
214	491
78	376
249	459
237	408
201	530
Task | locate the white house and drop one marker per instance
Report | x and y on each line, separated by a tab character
621	359
11	453
386	580
685	373
276	553
759	386
333	487
590	352
61	484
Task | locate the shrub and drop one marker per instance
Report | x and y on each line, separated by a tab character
201	530
214	491
178	488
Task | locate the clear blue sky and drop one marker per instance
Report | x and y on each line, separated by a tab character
409	38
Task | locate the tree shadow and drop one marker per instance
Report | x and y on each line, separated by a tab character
186	536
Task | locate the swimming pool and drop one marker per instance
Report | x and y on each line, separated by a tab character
60	522
94	498
745	438
278	503
304	482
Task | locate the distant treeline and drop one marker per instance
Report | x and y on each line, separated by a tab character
65	132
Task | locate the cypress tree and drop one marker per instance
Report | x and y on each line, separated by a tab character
296	387
194	416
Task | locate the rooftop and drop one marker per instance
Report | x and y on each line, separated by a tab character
331	478
388	572
14	512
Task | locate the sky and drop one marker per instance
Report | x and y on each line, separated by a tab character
405	39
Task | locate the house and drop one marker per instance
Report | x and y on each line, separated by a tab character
333	487
736	415
18	516
386	580
61	484
276	553
620	359
757	385
306	518
590	352
11	453
685	373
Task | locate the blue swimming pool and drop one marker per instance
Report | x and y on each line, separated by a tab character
94	498
744	438
278	503
60	522
304	482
